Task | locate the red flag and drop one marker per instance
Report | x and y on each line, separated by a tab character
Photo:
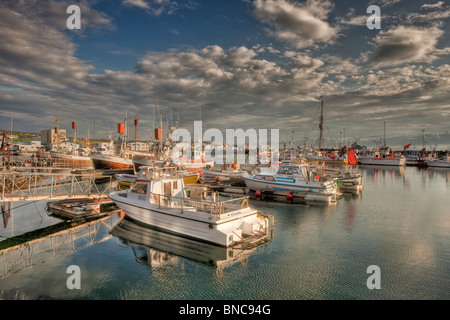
407	146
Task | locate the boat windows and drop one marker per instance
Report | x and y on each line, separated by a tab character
258	177
140	188
269	178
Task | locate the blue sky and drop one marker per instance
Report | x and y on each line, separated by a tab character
234	64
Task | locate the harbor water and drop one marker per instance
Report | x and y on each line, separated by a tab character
399	222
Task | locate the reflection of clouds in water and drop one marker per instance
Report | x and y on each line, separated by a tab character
421	253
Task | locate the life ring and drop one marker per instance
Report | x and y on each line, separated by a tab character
125	156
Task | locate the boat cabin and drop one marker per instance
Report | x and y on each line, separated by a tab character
158	191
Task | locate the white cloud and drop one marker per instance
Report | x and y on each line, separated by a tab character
300	24
137	3
42	79
158	7
436	5
388	3
402	44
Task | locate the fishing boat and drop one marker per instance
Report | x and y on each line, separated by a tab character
382	155
164	204
295	180
379	158
109	159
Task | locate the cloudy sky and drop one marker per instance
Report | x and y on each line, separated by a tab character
231	63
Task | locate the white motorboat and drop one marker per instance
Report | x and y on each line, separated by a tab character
443	162
297	180
164	204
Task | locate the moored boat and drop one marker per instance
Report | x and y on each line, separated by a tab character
381	157
164	204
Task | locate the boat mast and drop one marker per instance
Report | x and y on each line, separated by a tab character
321	123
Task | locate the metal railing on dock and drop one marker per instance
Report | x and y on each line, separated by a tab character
21	186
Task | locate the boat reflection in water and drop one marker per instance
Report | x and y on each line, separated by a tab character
156	247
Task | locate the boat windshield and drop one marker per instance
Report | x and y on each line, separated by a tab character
305	173
287	170
140	188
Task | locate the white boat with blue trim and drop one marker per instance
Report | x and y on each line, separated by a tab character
164	204
297	180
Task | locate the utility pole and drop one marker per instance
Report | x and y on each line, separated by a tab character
423	138
321	123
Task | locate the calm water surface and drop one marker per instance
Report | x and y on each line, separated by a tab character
400	222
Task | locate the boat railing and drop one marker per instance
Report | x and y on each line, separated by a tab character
214	207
